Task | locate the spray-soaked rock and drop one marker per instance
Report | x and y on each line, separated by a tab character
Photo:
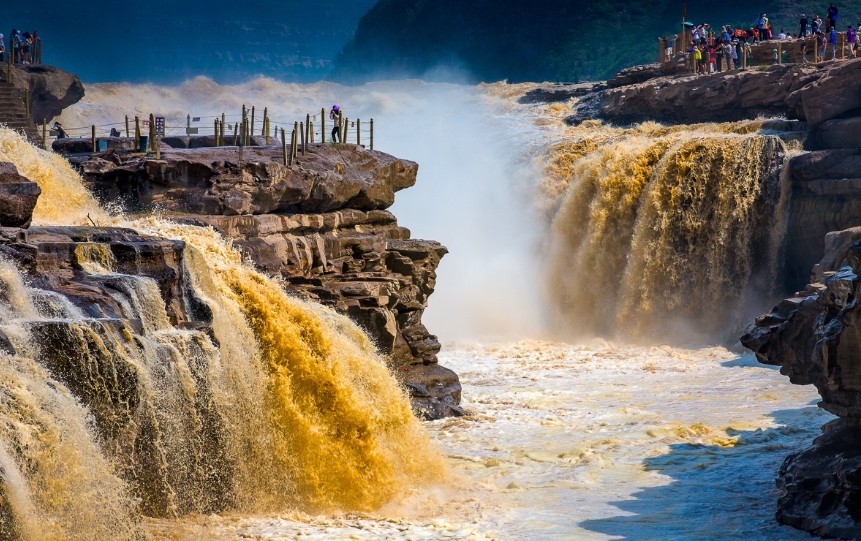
18	197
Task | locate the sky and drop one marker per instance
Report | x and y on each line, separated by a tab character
168	41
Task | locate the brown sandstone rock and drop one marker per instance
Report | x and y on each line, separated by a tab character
18	197
814	93
51	89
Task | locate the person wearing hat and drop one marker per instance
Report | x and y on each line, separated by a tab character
802	26
335	115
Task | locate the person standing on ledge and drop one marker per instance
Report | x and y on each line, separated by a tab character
802	26
335	115
832	40
852	39
831	19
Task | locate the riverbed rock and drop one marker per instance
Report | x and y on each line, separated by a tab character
820	487
18	197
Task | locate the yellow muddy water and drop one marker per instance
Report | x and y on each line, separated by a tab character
313	419
592	440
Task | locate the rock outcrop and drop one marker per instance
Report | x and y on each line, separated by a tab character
18	197
815	337
810	92
320	224
51	89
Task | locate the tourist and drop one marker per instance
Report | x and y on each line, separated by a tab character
37	48
820	46
2	49
15	45
736	62
61	132
782	34
802	26
832	40
831	17
335	115
26	47
727	54
761	24
816	26
803	51
852	39
698	59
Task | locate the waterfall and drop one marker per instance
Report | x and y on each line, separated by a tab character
258	403
662	233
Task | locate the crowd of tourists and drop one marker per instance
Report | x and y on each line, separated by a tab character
24	47
713	51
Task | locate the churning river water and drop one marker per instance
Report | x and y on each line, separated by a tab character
581	439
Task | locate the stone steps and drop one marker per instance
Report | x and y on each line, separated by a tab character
13	113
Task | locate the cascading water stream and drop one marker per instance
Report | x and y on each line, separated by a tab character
659	232
280	404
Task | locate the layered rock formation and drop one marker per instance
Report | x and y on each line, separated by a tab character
320	224
51	89
810	92
815	338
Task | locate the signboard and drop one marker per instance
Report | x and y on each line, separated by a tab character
191	131
159	125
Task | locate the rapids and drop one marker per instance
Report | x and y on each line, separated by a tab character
555	233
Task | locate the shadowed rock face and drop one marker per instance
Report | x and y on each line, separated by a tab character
18	197
51	89
320	225
815	337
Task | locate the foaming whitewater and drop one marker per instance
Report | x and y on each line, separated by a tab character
286	406
593	440
469	154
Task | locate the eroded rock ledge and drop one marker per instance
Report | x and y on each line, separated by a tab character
815	337
810	92
320	224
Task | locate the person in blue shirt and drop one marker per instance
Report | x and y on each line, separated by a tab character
832	39
831	20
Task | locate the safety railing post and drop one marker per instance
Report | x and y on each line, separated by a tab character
372	134
323	125
359	132
93	137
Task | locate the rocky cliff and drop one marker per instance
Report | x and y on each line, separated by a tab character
814	336
51	89
320	225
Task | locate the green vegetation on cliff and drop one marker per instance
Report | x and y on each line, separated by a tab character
537	40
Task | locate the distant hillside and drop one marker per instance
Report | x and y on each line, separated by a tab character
535	40
166	41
